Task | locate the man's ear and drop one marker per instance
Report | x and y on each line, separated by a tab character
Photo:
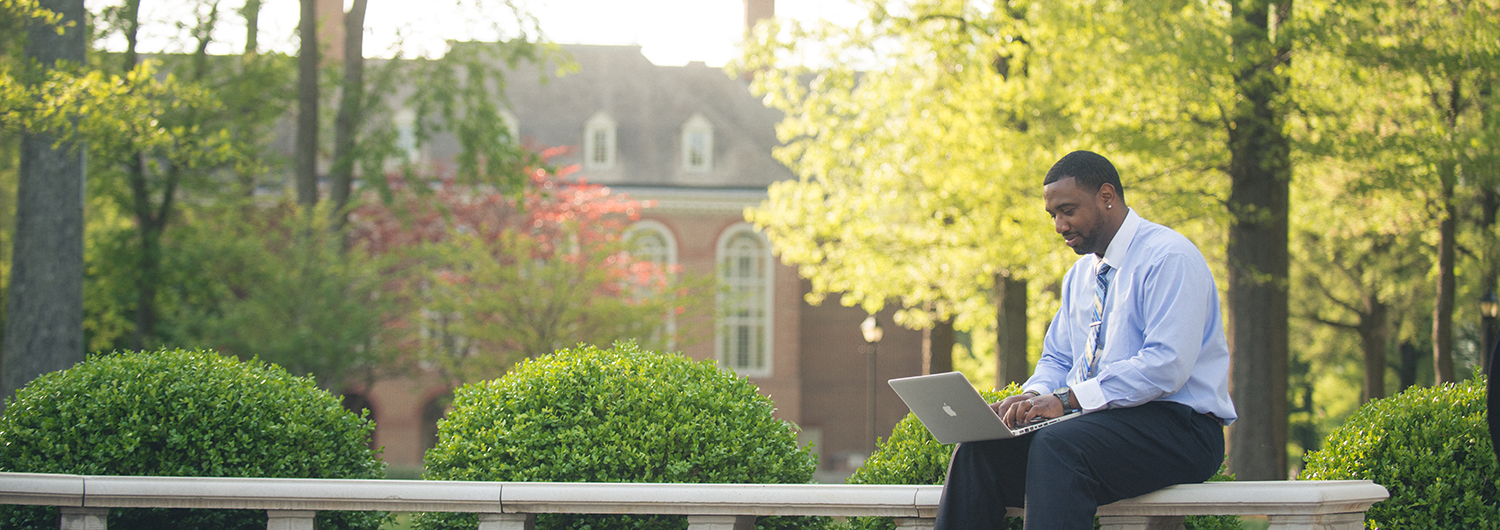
1107	193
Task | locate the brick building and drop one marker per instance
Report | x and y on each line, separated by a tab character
698	144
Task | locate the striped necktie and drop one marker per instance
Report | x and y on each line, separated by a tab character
1096	338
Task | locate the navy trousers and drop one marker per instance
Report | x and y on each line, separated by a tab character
1063	473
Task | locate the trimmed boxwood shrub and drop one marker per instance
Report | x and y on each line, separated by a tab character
616	415
187	414
912	456
1430	447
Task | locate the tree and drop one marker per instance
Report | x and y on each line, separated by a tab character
486	279
1260	173
307	105
291	292
895	202
1432	127
351	103
462	94
1209	126
44	301
175	133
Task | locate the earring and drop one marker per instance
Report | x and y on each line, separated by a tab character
1109	206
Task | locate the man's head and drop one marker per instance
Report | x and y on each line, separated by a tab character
1086	201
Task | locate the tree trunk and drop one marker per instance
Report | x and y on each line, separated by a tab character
307	106
146	232
1442	311
1374	336
44	304
1260	174
937	347
251	12
151	217
351	113
1490	210
1407	376
1010	327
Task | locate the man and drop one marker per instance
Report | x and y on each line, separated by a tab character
1147	364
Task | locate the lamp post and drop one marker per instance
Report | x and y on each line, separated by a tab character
1489	306
870	328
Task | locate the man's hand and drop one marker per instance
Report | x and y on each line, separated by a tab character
1021	409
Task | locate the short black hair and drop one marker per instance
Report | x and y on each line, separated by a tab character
1089	170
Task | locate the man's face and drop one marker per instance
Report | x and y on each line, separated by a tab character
1076	214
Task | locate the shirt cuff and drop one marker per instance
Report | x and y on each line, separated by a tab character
1090	396
1041	390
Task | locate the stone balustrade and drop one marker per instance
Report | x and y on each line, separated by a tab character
292	503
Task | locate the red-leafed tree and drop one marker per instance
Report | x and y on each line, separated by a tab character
489	278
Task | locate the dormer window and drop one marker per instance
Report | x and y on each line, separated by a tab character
697	144
599	142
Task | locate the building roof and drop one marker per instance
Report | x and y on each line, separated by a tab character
649	105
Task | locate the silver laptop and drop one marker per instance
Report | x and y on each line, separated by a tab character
953	411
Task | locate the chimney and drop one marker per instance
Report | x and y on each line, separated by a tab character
330	30
758	10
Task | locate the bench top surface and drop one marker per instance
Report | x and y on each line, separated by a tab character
1226	498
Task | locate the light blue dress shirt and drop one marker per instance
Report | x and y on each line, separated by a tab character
1163	336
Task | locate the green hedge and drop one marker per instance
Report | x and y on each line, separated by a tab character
1430	447
616	415
182	413
912	456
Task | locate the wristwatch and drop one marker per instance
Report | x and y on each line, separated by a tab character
1062	396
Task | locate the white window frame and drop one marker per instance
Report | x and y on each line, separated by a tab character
669	327
650	225
599	139
728	326
697	125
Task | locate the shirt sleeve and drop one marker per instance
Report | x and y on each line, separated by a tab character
1172	310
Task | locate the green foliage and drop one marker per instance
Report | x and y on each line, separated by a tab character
182	413
272	283
489	279
616	415
912	456
294	296
1430	447
895	200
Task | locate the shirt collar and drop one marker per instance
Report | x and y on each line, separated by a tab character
1120	245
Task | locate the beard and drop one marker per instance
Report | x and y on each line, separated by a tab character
1086	243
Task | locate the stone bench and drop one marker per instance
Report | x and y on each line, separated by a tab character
292	503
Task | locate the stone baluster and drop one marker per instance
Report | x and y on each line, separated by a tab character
721	522
84	518
290	519
507	521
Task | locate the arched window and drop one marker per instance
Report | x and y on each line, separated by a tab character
743	337
599	142
652	241
697	144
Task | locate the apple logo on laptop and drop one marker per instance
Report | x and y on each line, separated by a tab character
949	410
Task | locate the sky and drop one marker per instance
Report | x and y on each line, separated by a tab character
670	32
